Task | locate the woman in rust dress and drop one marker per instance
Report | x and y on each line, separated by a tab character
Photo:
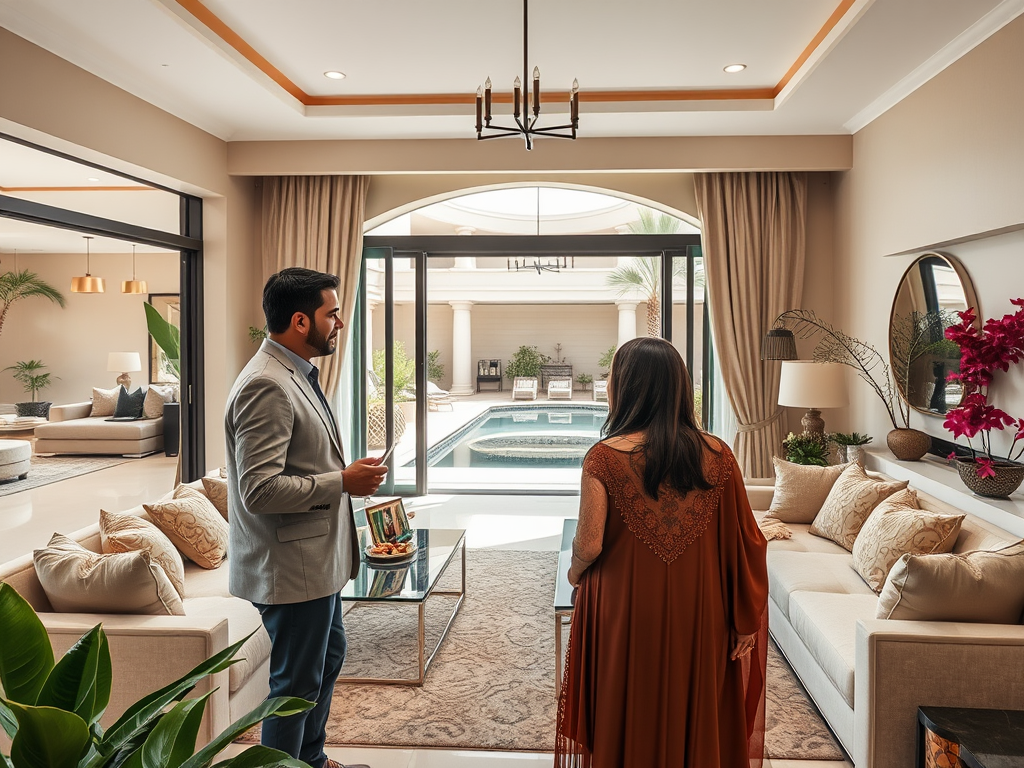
667	651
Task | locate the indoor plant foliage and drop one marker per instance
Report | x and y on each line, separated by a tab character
30	374
807	448
847	441
167	337
15	286
51	710
996	346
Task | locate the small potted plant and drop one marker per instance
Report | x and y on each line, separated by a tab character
848	445
996	346
30	374
807	448
585	380
605	361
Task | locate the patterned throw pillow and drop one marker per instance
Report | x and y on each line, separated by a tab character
217	492
194	525
898	526
156	396
849	503
77	580
800	490
104	401
130	533
129	406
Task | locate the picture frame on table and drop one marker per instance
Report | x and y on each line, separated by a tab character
388	522
387	581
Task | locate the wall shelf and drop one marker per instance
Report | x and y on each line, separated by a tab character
958	240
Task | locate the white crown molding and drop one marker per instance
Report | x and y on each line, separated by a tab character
962	44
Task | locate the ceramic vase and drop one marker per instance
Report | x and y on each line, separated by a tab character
908	444
1008	477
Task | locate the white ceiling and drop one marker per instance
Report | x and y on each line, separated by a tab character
878	52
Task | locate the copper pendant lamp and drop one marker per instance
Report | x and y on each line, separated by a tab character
88	283
133	285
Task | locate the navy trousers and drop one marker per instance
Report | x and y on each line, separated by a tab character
307	650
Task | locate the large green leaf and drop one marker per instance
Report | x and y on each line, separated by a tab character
7	720
80	682
174	739
283	706
48	737
139	716
258	756
166	335
5	762
26	657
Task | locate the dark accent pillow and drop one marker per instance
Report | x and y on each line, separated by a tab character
129	406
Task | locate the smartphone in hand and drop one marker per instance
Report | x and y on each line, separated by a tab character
387	454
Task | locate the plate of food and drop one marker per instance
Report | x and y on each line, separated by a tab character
389	552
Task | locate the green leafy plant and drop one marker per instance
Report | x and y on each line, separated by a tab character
51	710
807	449
404	370
166	336
257	335
28	372
15	286
526	361
851	438
585	379
605	361
435	370
698	405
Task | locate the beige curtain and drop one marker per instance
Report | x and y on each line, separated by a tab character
317	222
753	238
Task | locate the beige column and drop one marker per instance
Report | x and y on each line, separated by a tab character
627	321
465	262
462	348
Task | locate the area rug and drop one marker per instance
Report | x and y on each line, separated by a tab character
491	686
52	469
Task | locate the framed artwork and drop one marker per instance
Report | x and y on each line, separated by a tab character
388	522
388	581
169	307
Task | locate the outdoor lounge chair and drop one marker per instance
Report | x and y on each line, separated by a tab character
560	389
436	397
524	388
601	390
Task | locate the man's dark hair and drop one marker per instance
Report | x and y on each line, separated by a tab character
292	290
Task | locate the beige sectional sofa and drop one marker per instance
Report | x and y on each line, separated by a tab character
868	676
149	652
72	431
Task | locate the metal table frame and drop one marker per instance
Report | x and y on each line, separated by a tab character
424	660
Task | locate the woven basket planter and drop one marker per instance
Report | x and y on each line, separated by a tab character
1008	478
908	444
376	425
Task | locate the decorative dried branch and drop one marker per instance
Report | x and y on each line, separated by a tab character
915	335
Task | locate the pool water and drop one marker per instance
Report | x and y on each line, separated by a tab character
523	437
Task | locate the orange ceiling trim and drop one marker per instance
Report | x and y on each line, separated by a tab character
76	189
232	38
829	25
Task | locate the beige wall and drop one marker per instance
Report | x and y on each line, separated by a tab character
74	342
944	164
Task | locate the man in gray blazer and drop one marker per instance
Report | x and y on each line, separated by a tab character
292	545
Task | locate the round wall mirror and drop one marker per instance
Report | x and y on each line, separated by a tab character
932	291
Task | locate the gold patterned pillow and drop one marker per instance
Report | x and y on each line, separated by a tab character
194	525
800	490
897	527
156	396
849	503
217	492
130	533
104	401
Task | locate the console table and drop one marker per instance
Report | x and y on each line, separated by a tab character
484	373
550	371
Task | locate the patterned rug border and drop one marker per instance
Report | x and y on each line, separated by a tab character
53	469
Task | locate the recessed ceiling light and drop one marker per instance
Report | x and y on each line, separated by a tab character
735	68
94	178
335	75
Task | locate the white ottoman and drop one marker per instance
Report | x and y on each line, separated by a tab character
15	459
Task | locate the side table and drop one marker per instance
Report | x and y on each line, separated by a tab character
960	737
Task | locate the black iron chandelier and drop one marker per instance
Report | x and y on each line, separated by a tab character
526	126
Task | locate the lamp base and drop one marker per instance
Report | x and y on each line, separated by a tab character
125	381
812	422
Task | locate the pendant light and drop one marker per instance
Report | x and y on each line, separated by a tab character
133	285
88	284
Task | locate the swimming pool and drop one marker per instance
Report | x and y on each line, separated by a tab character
522	437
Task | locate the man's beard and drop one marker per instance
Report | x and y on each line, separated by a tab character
319	342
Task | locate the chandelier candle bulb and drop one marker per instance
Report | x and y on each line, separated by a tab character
517	93
479	110
487	100
536	91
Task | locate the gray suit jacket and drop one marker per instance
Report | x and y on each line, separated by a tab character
292	535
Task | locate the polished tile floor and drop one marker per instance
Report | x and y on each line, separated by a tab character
28	519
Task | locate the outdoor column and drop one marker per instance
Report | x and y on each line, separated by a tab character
465	262
462	348
627	321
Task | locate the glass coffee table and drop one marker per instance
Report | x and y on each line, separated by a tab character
412	582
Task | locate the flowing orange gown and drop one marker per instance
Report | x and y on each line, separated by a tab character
648	680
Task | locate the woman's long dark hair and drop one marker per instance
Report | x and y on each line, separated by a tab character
649	391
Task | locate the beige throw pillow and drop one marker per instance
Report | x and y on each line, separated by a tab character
800	490
104	401
79	581
130	533
898	526
985	587
217	492
849	503
156	396
194	525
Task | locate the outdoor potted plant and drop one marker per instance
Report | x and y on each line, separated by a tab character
848	445
807	448
605	361
30	374
585	380
403	392
996	346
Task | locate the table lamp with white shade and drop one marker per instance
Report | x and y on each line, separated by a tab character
125	363
811	385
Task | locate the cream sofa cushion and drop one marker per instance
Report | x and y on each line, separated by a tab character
104	401
77	580
156	396
243	619
800	490
790	572
194	525
216	489
985	587
130	533
849	503
896	527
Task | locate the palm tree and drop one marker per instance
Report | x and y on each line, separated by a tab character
643	273
15	286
